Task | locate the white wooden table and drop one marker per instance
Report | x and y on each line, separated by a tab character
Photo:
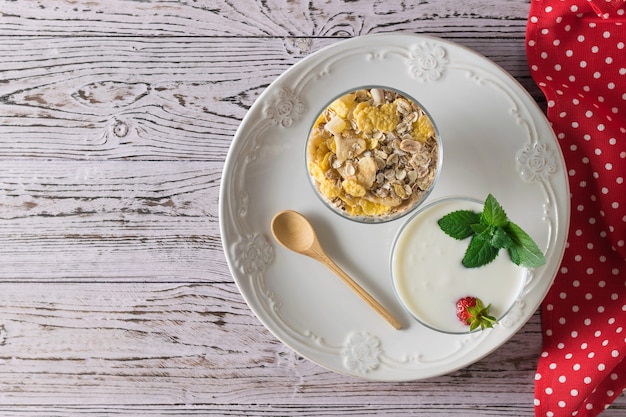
115	298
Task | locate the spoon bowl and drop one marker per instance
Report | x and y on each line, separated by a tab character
294	232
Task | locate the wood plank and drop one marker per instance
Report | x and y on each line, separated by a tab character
171	344
151	99
329	18
110	220
168	349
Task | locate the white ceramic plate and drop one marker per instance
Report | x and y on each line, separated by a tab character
495	140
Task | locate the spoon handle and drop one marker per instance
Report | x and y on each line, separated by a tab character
362	293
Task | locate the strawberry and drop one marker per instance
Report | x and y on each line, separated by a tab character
472	312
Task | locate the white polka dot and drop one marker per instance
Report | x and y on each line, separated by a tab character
562	404
595	49
534	19
606	34
597	75
583	64
562	379
601	367
581	38
544	31
556	42
620	45
587	380
574	9
574	334
574	392
548	390
576	367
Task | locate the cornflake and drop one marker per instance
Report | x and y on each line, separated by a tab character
373	152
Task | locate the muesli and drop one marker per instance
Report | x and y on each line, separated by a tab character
373	153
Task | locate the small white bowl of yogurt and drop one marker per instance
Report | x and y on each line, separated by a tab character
428	276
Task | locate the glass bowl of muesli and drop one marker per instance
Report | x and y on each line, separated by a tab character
373	154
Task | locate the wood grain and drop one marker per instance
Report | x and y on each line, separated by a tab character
147	99
261	18
116	117
173	344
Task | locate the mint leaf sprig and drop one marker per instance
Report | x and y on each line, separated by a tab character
491	231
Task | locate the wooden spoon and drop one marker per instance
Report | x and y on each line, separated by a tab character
293	231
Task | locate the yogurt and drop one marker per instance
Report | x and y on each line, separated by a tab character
429	278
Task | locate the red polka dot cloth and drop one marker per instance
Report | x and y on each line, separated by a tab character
577	55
